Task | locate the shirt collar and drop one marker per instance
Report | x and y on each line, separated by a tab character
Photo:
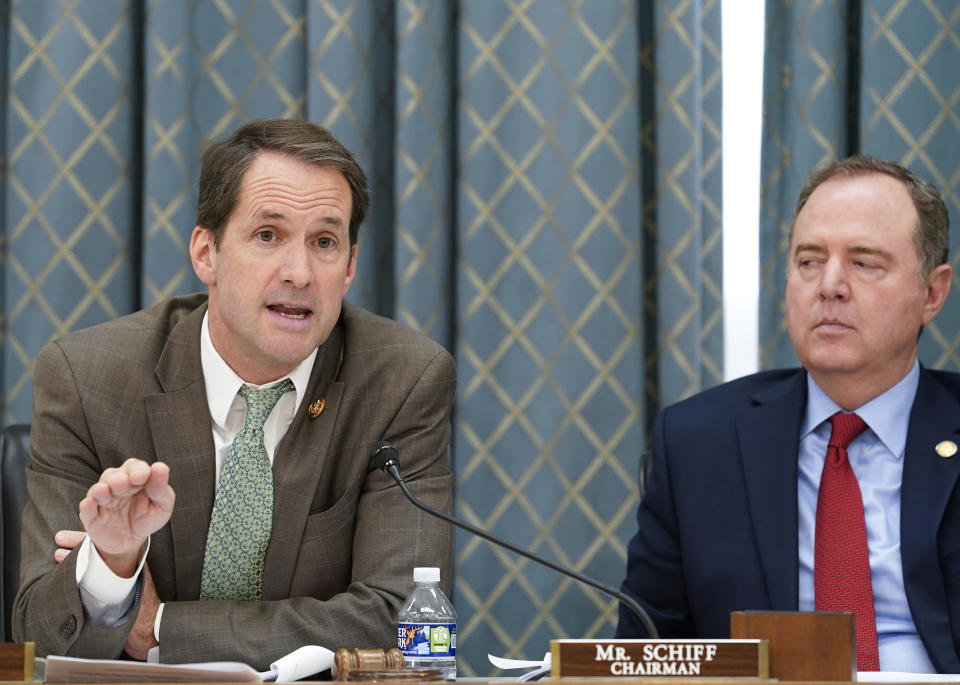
222	383
887	414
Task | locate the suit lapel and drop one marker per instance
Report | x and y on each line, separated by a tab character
928	481
180	425
769	431
298	465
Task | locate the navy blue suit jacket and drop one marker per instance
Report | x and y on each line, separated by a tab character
718	523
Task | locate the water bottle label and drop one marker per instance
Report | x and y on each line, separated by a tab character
438	640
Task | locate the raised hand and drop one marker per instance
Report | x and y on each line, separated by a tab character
124	508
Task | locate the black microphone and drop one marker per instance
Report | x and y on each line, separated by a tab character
386	458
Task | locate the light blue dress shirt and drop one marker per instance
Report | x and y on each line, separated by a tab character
877	460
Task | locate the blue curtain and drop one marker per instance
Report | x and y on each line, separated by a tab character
546	204
861	76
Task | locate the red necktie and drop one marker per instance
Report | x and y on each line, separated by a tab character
841	566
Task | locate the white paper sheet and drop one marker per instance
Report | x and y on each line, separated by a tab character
298	664
65	669
540	668
898	677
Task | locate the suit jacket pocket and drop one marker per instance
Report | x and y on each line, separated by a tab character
325	559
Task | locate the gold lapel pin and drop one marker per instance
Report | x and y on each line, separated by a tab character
316	408
946	449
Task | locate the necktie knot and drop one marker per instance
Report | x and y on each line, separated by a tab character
260	402
846	427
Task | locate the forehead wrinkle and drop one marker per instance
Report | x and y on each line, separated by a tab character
273	197
270	211
284	191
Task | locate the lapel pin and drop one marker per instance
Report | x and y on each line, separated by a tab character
316	408
946	449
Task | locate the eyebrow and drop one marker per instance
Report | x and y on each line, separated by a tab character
856	250
268	215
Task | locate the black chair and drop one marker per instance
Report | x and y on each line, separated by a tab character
14	458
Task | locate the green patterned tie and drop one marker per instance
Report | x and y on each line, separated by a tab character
242	518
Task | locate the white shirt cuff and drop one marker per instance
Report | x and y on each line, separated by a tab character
106	596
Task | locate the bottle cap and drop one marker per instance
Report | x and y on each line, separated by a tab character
426	574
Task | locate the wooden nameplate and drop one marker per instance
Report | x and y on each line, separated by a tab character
814	645
659	658
16	661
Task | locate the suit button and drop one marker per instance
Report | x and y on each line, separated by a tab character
68	627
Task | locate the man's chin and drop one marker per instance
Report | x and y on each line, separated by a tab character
833	364
291	357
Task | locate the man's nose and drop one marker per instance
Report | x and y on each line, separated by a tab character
835	283
295	266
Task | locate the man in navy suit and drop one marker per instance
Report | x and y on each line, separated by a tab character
729	520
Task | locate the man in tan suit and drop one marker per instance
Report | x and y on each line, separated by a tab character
134	421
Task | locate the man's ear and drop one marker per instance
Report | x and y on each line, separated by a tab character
203	255
938	287
351	270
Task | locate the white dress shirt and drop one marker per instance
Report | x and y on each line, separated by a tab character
107	597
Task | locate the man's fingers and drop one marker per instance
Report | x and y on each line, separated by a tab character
137	471
133	476
112	486
157	487
128	479
88	510
68	539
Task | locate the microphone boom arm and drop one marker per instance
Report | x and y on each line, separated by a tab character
390	465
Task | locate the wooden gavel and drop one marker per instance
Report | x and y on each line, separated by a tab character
347	660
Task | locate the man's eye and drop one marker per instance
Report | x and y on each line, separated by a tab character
265	236
325	243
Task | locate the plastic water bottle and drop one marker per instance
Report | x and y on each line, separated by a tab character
427	626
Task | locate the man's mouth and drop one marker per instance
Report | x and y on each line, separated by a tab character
289	312
832	323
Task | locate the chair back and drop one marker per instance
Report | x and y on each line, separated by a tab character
14	459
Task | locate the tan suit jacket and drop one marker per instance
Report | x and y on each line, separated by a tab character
345	540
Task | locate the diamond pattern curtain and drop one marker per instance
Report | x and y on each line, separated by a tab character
588	290
546	203
863	76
